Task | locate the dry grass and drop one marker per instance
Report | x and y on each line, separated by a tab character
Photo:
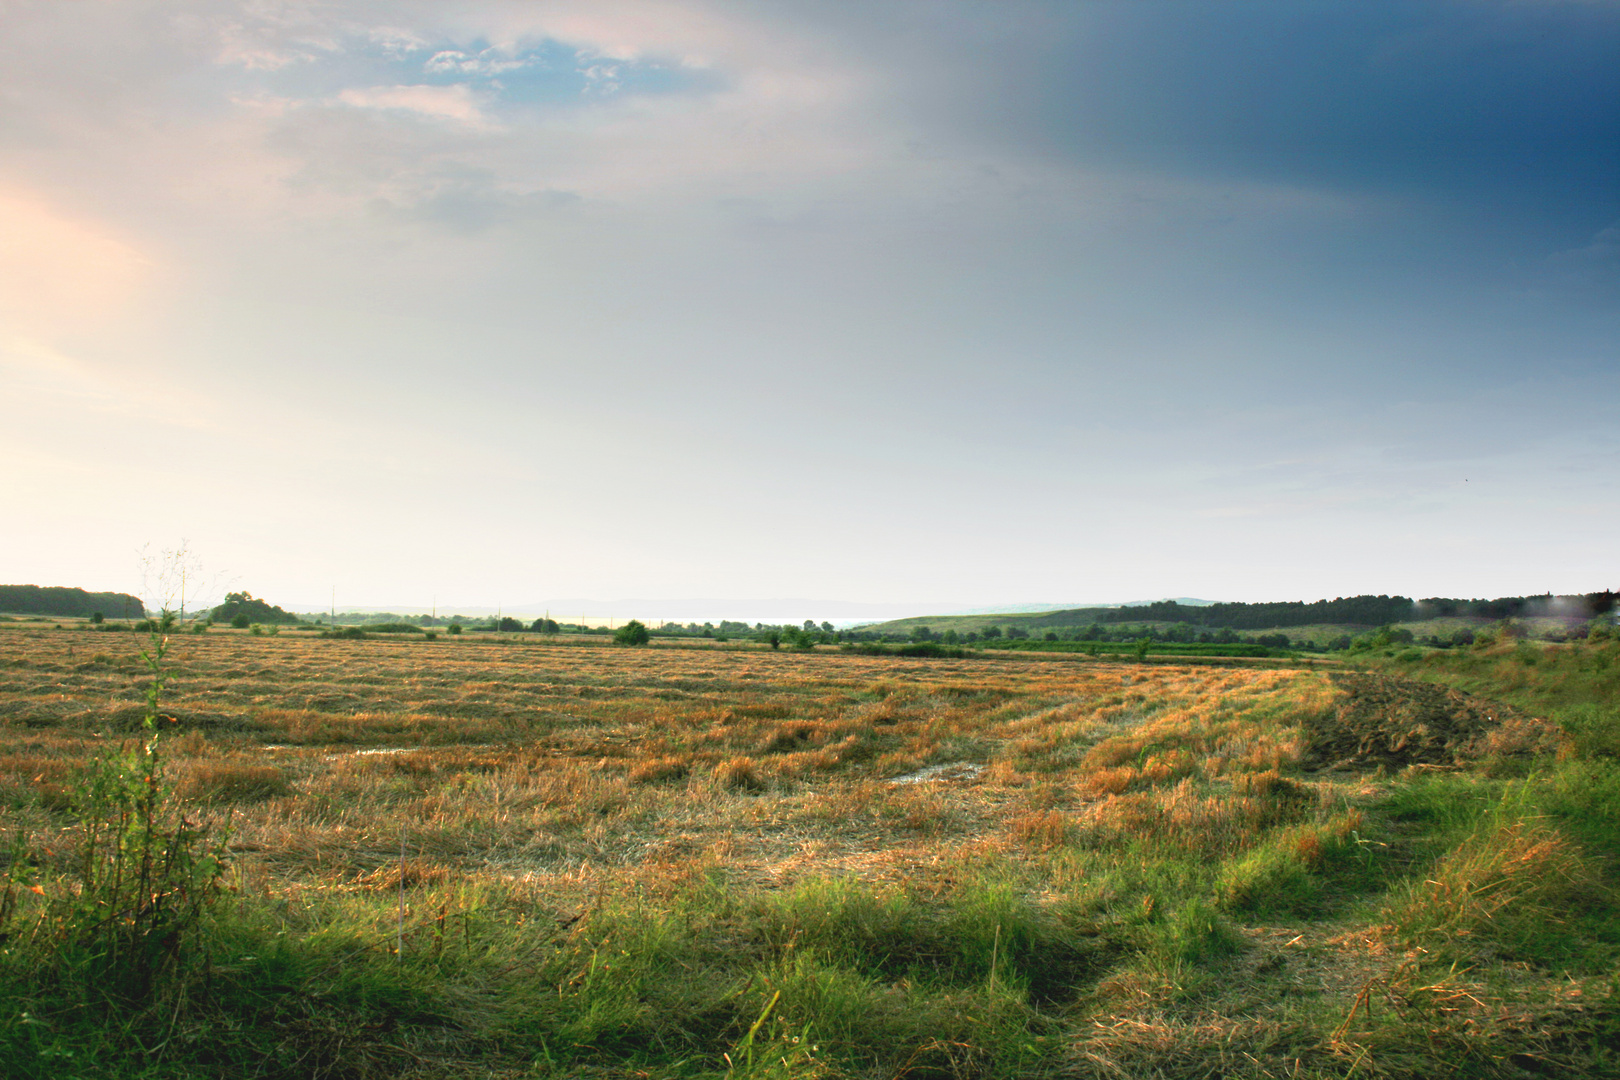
565	774
524	761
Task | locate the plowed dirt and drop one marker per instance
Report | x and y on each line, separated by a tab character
1399	722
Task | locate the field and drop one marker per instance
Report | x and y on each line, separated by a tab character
505	858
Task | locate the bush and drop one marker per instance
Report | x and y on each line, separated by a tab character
633	632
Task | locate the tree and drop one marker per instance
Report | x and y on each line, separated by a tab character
633	632
244	605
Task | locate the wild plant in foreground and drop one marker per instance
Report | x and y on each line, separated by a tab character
126	916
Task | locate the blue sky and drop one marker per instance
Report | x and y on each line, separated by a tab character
899	303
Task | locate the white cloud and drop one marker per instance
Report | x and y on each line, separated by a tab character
487	64
457	102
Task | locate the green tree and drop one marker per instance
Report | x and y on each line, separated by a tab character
245	604
633	632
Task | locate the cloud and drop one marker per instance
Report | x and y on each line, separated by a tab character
455	102
486	64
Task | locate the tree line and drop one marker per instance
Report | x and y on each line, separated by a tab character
69	602
1353	610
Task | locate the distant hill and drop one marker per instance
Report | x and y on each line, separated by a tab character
1346	611
68	602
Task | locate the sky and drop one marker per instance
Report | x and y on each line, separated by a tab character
913	304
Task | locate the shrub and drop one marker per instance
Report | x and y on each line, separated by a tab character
633	632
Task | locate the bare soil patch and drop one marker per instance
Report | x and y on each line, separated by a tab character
1393	722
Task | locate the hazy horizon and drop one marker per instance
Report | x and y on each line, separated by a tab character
916	303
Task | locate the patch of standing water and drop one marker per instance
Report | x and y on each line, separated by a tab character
956	770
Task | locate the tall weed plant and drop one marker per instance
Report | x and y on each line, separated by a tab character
120	925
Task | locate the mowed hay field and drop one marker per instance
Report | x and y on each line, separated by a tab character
483	858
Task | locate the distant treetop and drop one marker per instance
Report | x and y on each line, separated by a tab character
243	607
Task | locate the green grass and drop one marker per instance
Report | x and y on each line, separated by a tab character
1154	885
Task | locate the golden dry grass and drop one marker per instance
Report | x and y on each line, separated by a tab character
535	762
563	773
